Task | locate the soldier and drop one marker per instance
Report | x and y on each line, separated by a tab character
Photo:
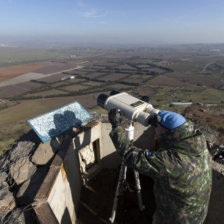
180	168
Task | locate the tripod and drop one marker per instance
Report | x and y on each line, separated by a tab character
129	131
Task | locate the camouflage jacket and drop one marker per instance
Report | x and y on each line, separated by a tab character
181	170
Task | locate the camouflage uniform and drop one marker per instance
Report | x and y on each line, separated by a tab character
181	170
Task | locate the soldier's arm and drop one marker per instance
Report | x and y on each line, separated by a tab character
145	161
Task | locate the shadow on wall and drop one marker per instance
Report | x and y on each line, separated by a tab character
111	161
78	144
85	141
66	219
71	166
64	122
30	135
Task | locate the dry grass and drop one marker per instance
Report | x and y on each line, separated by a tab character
75	87
140	76
119	86
112	77
10	91
14	71
202	115
46	93
146	91
92	74
164	80
195	78
92	83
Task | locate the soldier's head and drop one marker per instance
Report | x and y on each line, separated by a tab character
165	121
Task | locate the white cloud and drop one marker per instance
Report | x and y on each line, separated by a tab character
94	13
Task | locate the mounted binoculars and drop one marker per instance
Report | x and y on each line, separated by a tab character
131	107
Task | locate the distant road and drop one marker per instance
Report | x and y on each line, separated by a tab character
22	78
70	69
186	104
205	67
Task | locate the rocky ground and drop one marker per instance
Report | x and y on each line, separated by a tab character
23	168
212	124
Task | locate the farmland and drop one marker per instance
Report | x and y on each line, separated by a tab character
165	74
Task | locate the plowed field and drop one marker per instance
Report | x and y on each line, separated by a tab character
14	71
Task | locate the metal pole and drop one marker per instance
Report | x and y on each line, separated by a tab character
121	179
129	131
138	191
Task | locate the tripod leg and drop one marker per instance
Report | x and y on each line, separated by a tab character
138	189
121	179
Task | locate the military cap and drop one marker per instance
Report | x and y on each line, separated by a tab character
170	120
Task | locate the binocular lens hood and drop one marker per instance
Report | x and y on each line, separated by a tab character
101	99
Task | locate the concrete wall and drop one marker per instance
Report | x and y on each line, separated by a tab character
110	158
60	199
59	195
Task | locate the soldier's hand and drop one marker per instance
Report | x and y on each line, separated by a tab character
115	117
153	120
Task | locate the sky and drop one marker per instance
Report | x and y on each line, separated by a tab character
113	21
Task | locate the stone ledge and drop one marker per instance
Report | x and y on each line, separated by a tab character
47	184
46	187
78	131
45	214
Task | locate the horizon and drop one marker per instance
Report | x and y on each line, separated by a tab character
112	23
45	42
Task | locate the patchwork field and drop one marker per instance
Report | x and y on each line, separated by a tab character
114	76
46	93
74	87
90	74
174	74
165	80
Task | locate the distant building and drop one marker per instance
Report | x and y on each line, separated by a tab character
180	104
67	77
64	78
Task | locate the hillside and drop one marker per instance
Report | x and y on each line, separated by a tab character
211	122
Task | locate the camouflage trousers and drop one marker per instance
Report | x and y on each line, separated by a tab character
176	219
